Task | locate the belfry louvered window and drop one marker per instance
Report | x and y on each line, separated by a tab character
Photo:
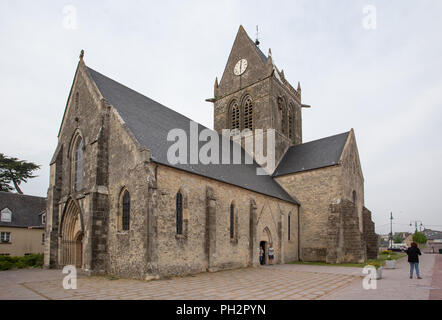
291	121
235	116
126	211
179	213
232	221
283	108
248	113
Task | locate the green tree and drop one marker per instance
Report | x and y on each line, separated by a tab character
398	239
14	171
419	237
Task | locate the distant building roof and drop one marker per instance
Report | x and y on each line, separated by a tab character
312	155
432	234
26	210
150	122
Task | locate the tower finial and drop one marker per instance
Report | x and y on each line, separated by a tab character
81	54
257	37
299	86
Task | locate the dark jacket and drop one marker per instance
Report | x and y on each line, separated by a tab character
413	254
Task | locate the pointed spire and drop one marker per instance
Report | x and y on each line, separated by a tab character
270	59
299	87
216	86
81	54
282	74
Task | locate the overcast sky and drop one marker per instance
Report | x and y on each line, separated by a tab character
386	83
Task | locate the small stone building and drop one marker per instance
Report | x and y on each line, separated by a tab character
117	205
22	219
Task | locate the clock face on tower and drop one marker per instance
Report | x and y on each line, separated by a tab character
240	67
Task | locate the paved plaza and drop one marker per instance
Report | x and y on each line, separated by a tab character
288	281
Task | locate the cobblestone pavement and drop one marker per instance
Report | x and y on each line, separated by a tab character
306	282
396	283
436	293
270	282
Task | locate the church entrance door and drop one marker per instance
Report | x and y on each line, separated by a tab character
265	240
71	236
79	251
263	246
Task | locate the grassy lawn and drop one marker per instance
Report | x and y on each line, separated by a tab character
381	260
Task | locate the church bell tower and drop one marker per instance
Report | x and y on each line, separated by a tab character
254	94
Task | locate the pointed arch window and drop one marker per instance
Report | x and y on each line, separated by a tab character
235	116
179	213
283	107
248	113
78	164
125	216
232	221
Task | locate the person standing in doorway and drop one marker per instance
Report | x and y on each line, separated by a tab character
413	258
261	255
271	254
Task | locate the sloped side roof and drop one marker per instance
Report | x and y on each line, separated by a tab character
150	123
26	210
312	155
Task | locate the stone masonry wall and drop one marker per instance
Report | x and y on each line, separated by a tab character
371	238
353	180
315	189
346	244
128	170
84	115
354	242
206	244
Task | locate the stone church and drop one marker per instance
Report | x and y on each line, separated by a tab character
116	205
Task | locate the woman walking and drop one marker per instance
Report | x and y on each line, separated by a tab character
413	258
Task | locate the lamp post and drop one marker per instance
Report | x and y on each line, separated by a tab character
415	225
391	230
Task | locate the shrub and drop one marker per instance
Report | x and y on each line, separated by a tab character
5	265
387	252
31	260
374	264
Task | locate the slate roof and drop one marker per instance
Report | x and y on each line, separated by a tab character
26	210
262	55
312	155
432	234
150	123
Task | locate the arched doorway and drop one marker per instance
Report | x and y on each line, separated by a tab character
71	236
79	250
265	240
